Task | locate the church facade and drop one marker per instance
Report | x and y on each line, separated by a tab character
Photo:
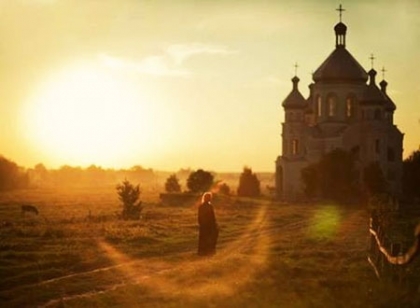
346	109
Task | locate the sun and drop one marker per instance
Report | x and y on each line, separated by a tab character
85	115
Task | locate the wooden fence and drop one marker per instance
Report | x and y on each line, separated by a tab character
390	257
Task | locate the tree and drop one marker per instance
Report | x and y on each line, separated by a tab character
129	196
374	180
310	179
11	175
172	184
249	185
411	175
333	177
199	181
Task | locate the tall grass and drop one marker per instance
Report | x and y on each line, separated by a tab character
77	253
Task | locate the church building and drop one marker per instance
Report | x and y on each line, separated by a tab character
346	109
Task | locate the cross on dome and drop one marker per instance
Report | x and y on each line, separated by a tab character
383	70
340	10
372	59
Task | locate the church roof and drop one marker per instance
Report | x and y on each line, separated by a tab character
340	66
295	99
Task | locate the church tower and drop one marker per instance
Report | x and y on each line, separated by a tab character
293	133
346	110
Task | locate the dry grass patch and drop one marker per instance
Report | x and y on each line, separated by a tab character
269	255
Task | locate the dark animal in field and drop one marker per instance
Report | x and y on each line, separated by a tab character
27	208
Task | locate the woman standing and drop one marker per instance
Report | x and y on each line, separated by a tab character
208	230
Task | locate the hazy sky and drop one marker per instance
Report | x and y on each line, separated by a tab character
176	84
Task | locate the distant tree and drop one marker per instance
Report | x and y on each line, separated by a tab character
374	181
129	196
249	185
411	175
172	184
224	189
11	175
199	181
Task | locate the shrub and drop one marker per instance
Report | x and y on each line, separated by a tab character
172	184
249	185
224	189
129	196
199	181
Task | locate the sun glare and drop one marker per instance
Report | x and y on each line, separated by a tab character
89	116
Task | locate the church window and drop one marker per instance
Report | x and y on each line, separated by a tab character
349	107
295	147
332	106
377	114
318	106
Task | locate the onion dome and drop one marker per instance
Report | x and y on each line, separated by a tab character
373	95
294	100
390	105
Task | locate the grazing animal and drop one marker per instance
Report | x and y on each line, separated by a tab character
29	209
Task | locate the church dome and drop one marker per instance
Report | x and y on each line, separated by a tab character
373	95
340	67
340	29
295	99
390	105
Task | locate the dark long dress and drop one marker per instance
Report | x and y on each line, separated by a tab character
208	230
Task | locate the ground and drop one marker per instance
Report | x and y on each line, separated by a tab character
77	253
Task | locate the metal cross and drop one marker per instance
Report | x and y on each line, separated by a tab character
372	58
296	67
383	73
340	10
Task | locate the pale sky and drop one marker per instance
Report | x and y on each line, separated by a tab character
177	84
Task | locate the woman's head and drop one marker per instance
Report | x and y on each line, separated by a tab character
207	196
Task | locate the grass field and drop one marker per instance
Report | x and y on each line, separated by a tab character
76	253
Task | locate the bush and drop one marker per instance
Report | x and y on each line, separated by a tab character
129	196
224	189
249	185
200	181
172	184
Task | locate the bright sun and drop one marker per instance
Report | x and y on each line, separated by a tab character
88	116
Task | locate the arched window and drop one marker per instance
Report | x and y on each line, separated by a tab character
349	107
295	146
332	105
377	114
